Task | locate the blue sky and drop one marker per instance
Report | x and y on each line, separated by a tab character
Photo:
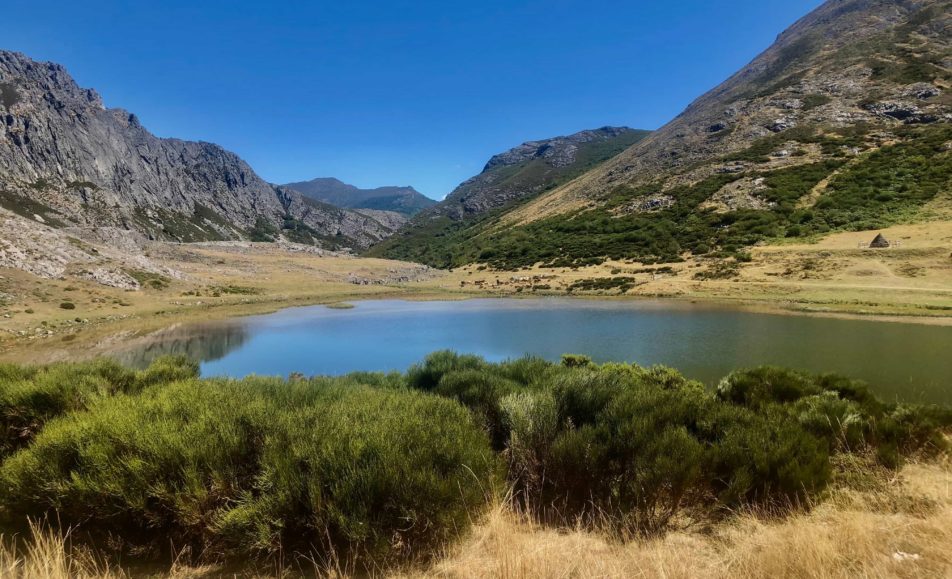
416	92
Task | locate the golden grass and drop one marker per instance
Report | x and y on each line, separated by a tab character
47	554
884	526
903	528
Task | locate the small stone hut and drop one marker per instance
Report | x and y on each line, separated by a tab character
880	242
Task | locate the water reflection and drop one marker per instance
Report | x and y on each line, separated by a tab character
200	342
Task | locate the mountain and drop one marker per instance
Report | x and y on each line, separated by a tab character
68	161
508	180
842	124
405	200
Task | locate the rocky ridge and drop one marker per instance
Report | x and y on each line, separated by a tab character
507	180
66	160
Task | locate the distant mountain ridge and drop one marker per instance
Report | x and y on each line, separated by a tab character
405	200
68	161
508	179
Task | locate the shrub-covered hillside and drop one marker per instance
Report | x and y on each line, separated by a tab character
886	185
842	124
383	468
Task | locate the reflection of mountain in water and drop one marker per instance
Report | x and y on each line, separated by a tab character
204	343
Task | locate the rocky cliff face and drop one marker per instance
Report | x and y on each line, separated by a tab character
68	161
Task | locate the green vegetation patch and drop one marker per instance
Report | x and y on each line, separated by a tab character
871	191
812	101
392	467
148	279
30	396
187	228
263	231
29	208
887	186
241	290
634	446
323	466
620	283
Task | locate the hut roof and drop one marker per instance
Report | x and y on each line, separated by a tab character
880	241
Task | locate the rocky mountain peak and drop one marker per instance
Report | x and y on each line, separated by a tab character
69	160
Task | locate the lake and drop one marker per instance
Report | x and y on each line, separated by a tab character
911	362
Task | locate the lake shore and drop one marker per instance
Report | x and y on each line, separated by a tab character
831	278
220	282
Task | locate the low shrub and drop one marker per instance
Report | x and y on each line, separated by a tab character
390	466
318	466
841	411
632	446
32	396
759	387
481	392
427	375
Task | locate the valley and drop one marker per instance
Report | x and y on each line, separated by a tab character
718	347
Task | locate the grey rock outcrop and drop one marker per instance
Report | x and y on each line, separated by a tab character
66	157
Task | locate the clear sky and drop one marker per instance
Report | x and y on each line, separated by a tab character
414	92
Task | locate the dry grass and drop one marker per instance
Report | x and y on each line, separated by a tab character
49	555
900	528
880	526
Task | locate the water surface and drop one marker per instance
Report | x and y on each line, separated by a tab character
910	362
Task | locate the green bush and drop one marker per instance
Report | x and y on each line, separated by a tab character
31	396
764	458
759	387
840	411
481	392
167	369
389	466
575	361
427	376
244	467
532	422
631	446
833	418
